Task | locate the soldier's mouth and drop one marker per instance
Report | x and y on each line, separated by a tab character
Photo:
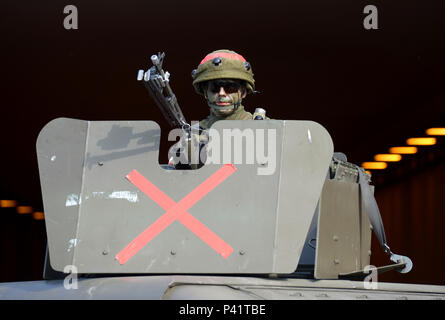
223	103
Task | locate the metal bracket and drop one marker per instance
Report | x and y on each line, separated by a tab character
403	260
362	273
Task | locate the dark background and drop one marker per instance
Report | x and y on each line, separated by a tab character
312	60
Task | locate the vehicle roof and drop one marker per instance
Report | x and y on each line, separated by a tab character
179	287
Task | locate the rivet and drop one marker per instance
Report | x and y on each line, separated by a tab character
336	261
100	163
105	252
216	61
242	252
172	252
335	238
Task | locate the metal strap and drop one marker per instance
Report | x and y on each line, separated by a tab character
376	221
373	210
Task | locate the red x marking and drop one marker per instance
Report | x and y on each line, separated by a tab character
177	211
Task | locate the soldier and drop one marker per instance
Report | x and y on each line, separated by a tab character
224	78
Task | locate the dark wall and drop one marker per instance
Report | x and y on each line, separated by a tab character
413	215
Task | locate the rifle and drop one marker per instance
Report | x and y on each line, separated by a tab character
156	80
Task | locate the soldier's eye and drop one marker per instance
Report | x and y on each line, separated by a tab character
229	86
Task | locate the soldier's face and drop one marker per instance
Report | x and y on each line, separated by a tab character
223	95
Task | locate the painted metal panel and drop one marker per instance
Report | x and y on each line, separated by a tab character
264	218
343	234
60	154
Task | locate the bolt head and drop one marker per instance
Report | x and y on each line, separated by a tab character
216	61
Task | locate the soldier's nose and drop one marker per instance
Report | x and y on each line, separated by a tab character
222	92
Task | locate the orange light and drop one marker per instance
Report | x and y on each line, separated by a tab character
24	209
388	157
368	172
38	215
8	203
421	141
403	150
436	132
374	165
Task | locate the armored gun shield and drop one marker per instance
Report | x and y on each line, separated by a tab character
110	207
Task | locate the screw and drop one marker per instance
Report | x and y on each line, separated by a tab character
172	252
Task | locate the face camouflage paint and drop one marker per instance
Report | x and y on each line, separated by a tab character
223	96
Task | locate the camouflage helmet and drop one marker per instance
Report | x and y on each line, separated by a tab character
223	64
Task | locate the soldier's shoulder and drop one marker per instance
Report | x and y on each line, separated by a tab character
244	115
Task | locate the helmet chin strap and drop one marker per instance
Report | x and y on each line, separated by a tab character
237	104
